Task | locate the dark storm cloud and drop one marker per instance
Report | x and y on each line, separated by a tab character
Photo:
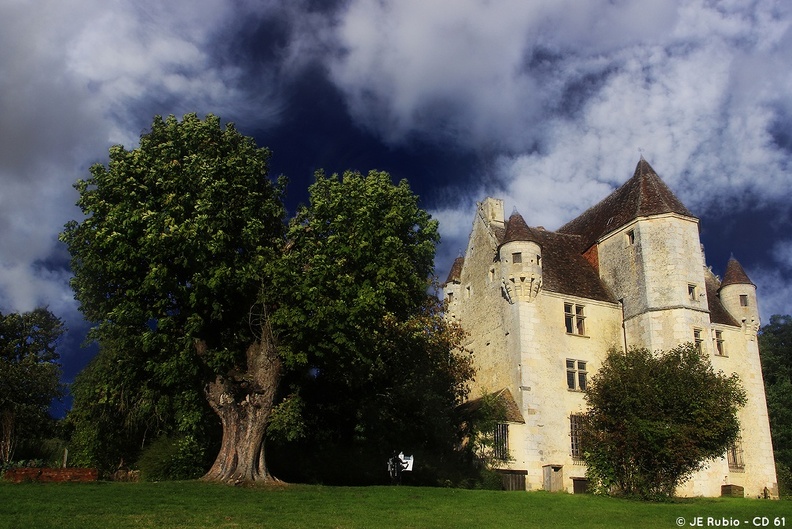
545	104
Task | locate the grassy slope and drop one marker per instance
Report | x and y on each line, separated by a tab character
193	504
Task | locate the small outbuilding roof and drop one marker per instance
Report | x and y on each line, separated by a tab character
504	399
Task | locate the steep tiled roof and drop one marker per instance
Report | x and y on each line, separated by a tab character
518	230
642	195
456	271
718	313
735	275
564	269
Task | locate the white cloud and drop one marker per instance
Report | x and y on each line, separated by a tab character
782	252
75	77
773	291
568	93
561	94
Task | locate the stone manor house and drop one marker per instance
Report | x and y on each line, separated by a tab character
543	308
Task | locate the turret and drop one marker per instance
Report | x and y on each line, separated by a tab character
738	295
520	255
452	286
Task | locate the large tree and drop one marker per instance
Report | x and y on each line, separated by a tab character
183	262
169	263
383	369
655	418
29	376
775	346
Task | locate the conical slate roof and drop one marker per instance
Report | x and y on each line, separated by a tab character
518	230
643	195
718	312
455	273
735	275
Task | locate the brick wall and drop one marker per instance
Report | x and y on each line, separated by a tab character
18	475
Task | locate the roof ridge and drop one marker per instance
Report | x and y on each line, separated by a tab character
643	195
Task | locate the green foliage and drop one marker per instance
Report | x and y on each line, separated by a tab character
169	458
287	422
29	377
784	476
181	251
479	419
177	238
481	416
176	235
382	370
655	418
116	409
775	347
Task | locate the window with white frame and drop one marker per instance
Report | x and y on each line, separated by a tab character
574	319
576	374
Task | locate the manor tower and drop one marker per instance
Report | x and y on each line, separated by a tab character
543	308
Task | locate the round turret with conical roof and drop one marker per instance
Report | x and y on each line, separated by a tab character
738	294
520	254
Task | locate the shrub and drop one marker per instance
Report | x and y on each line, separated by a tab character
170	458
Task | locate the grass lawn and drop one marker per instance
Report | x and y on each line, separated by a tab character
194	504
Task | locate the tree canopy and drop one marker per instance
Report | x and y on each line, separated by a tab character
775	346
198	287
655	418
170	257
383	369
29	376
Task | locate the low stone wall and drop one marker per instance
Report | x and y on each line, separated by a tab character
81	475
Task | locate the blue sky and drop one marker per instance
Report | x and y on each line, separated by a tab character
547	104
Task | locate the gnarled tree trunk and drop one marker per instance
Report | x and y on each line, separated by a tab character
244	403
